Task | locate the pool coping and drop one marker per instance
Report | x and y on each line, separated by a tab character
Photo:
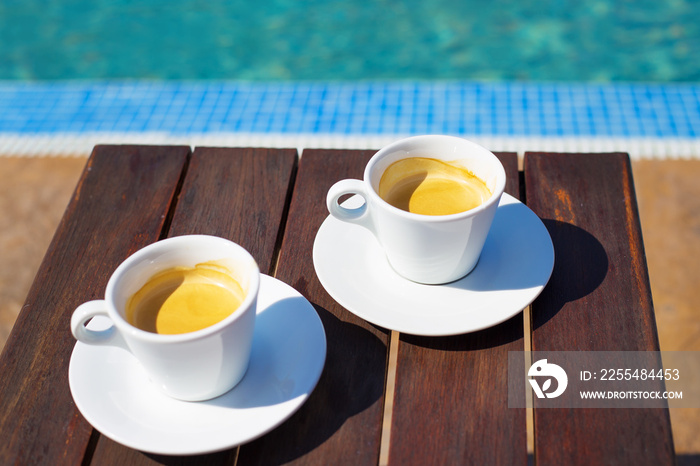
81	145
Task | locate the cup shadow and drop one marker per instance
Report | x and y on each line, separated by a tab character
518	253
349	386
285	360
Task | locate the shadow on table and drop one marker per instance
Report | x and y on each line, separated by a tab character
222	457
580	267
688	460
498	335
348	386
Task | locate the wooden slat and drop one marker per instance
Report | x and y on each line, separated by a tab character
341	421
238	194
450	405
598	299
119	206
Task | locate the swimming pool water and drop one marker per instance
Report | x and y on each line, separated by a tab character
320	40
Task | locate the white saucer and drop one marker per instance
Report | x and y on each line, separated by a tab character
289	349
515	265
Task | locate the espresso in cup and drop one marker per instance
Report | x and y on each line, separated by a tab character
184	299
429	186
185	307
457	186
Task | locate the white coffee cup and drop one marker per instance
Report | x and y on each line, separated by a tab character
425	248
193	366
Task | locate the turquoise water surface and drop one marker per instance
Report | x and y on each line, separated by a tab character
321	40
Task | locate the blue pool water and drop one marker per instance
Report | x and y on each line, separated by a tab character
320	40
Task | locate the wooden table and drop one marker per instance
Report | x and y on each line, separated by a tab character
449	404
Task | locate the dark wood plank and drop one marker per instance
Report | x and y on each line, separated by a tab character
241	194
598	299
450	405
341	421
238	194
120	205
109	453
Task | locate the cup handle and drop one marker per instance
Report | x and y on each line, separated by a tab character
83	314
359	215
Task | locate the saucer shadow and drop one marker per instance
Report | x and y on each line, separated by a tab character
348	386
581	266
517	254
223	458
499	335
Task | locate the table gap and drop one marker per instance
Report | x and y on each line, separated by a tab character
285	215
385	441
529	411
176	196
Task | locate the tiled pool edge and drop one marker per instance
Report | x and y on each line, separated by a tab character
70	117
81	145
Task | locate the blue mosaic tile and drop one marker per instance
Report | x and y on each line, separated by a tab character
513	109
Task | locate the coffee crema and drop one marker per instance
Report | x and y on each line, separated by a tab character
184	299
429	186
